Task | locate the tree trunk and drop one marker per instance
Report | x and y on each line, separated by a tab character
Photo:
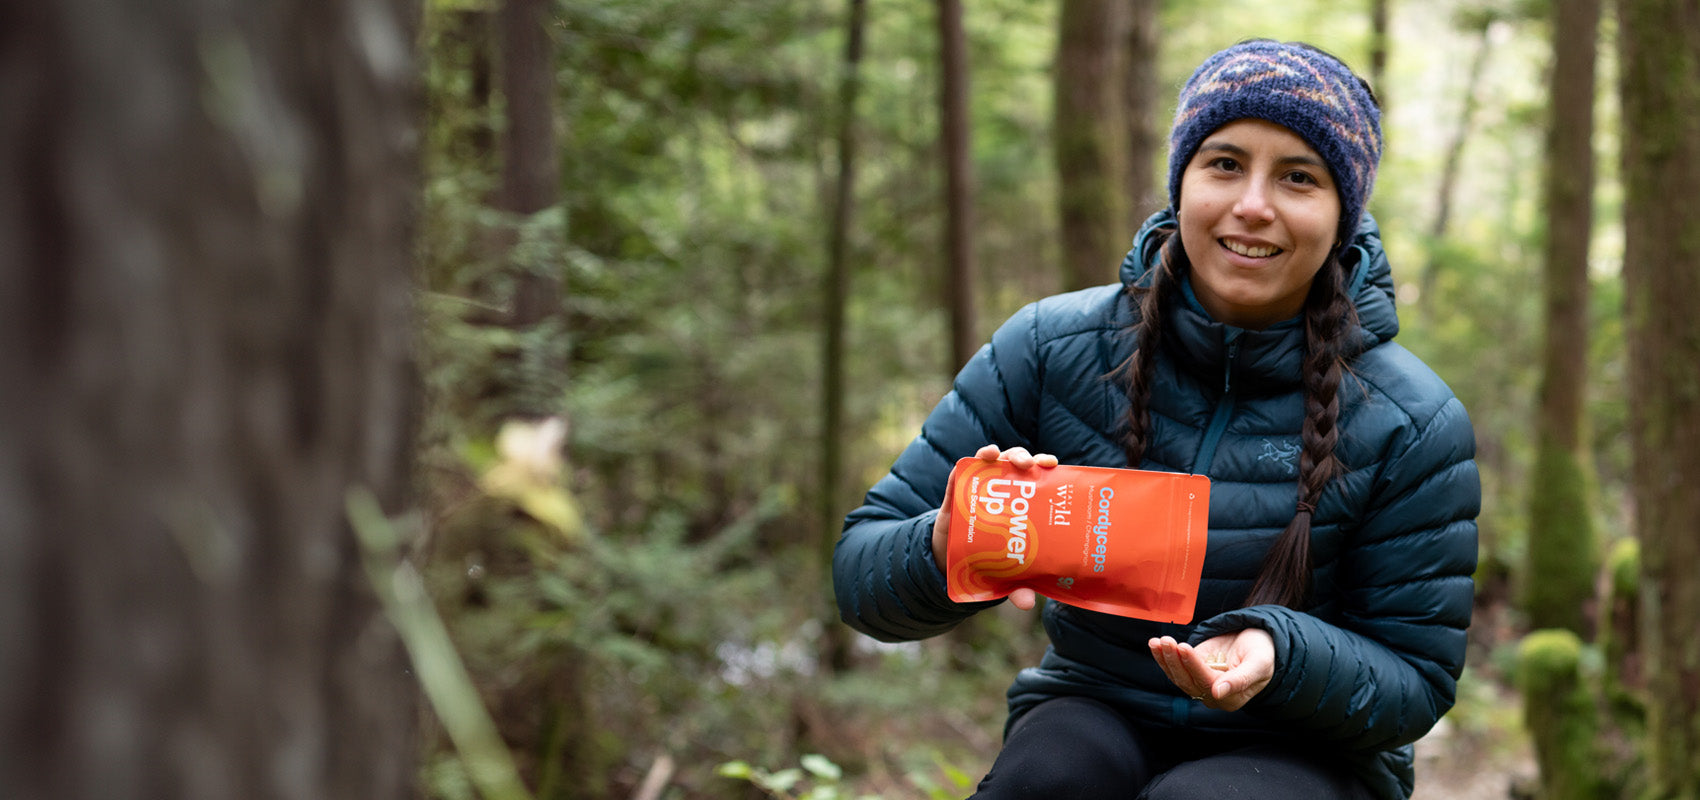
1086	128
1141	111
1660	58
207	215
1562	553
959	184
1378	39
834	299
531	165
535	368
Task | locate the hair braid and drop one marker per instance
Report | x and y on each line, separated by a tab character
1137	370
1329	316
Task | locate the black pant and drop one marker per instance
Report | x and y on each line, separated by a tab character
1074	748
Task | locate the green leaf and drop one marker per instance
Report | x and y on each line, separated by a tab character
734	769
780	781
822	767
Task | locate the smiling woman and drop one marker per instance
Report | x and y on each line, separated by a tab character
1249	341
1258	216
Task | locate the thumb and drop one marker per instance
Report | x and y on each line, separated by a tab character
1024	598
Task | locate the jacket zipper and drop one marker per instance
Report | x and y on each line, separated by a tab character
1224	409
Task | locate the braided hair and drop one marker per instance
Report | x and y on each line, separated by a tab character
1329	318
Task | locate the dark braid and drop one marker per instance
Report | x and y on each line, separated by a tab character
1329	317
1136	371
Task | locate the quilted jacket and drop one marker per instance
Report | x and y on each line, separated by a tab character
1370	666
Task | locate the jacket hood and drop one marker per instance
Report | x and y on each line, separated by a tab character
1369	278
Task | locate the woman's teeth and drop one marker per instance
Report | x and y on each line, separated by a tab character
1250	252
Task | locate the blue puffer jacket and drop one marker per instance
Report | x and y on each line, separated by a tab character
1371	666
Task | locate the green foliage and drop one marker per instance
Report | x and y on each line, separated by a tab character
817	779
821	779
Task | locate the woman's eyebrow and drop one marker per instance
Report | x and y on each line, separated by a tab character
1235	150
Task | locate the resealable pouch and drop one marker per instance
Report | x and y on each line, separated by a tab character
1121	541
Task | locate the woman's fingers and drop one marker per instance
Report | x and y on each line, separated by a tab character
1018	457
1184	667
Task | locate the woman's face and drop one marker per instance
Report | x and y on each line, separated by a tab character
1258	215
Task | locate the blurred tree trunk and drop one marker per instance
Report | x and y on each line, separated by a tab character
1562	555
531	161
531	180
1429	280
1086	131
1378	40
469	49
1659	44
1141	109
834	300
959	184
207	217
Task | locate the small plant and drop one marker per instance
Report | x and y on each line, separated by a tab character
817	777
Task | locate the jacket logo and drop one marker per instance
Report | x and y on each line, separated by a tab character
1282	454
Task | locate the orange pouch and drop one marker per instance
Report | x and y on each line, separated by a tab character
1121	541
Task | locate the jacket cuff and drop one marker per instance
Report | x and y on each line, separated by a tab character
927	575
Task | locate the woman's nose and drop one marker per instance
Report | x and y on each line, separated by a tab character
1253	203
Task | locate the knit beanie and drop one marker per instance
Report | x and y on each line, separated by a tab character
1297	87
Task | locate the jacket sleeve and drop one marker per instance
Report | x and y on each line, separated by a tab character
1386	673
884	575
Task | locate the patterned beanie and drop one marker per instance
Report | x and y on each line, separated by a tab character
1297	87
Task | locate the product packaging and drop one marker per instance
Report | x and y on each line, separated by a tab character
1121	541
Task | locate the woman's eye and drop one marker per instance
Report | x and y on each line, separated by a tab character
1224	162
1301	178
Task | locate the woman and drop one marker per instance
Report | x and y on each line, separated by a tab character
1248	341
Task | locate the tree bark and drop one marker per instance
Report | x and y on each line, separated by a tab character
206	221
1378	40
1086	129
959	184
1562	553
1659	54
531	161
1141	109
835	297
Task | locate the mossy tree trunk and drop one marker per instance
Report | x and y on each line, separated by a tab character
1559	574
1560	715
1660	57
207	212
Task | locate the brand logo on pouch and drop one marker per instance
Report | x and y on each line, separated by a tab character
1062	504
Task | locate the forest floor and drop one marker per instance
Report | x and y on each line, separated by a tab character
1453	767
1478	753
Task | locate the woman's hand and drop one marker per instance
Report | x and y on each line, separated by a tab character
1224	672
1019	458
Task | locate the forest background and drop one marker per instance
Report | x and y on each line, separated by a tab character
462	399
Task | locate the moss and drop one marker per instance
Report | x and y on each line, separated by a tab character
1562	552
1623	564
1560	715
